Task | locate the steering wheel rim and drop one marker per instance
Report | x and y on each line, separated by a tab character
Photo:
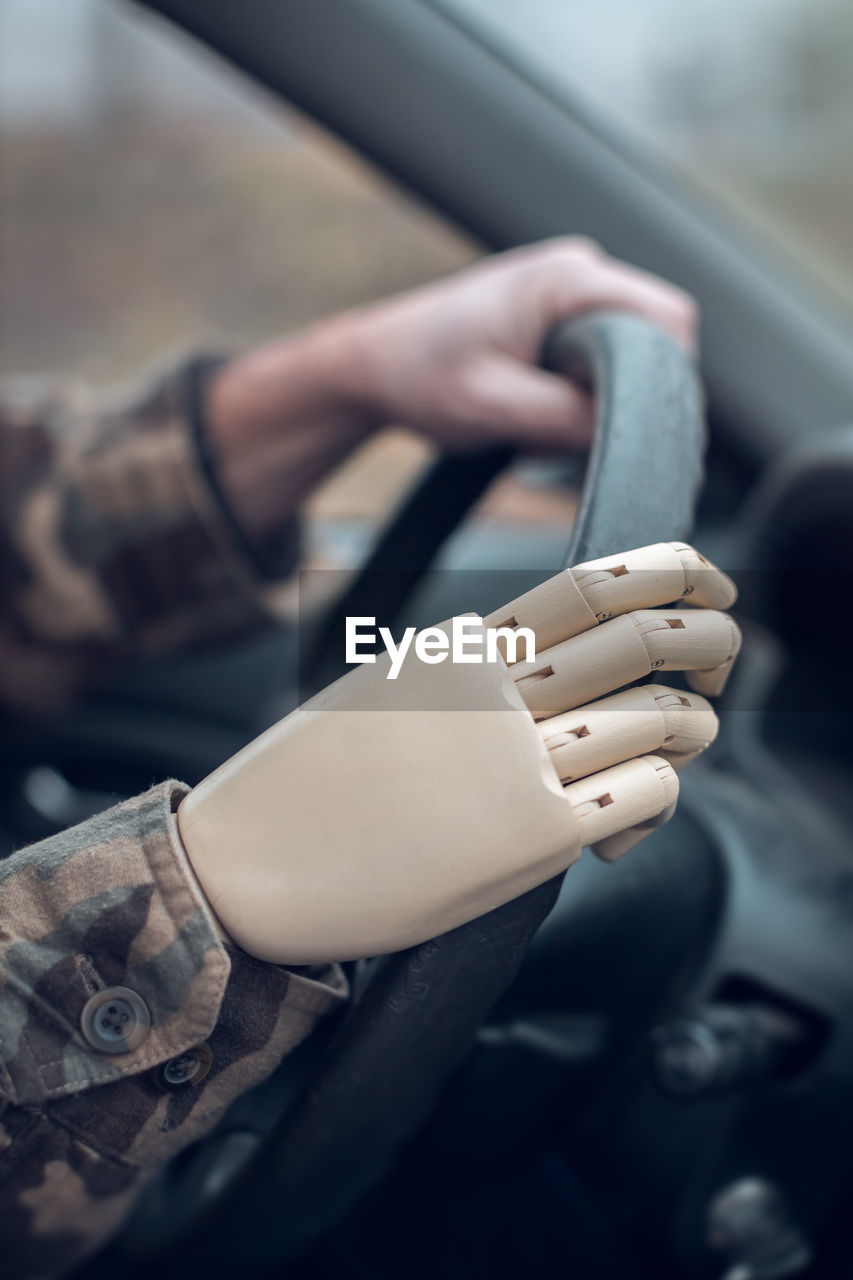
638	373
646	463
414	1014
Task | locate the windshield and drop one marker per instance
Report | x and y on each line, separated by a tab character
751	99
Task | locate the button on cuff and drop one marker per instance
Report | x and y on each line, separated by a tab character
188	1068
115	1020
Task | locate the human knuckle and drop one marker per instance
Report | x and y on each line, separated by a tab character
583	247
570	250
465	392
683	305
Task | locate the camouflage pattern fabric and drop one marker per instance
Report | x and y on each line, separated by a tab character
112	541
113	902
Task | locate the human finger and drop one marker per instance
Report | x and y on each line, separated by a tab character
583	277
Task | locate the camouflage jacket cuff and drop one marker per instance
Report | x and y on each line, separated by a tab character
111	903
277	554
180	571
113	536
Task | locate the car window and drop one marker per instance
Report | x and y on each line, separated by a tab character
153	200
152	197
752	100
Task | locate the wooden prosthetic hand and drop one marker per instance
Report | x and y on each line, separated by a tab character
385	812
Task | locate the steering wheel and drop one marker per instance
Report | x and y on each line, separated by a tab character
358	1091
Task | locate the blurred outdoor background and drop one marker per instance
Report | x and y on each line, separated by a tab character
152	201
750	101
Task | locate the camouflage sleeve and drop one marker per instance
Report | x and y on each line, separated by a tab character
126	1027
114	536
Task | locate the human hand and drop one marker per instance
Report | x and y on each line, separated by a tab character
459	358
456	360
385	812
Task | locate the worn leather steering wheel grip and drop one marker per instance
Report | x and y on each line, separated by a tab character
383	813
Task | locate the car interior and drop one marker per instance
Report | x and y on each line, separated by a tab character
645	1072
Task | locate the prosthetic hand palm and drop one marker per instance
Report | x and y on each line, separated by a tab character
385	812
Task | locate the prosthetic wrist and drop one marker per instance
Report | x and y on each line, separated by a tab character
385	812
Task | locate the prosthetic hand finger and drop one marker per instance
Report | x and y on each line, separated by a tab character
653	576
618	799
650	718
581	598
702	642
616	846
681	759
